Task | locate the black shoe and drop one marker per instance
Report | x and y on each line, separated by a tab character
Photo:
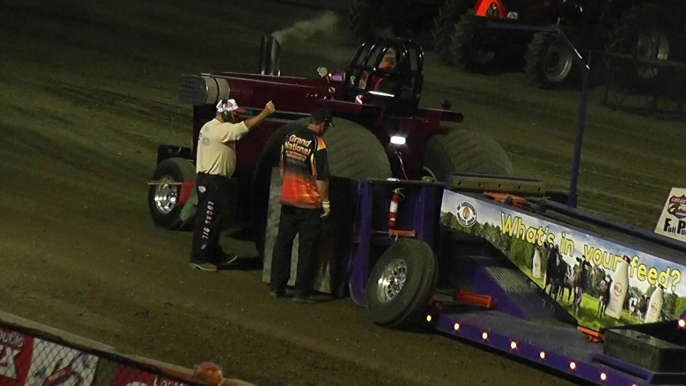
304	299
277	294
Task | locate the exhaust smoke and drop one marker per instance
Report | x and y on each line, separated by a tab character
303	30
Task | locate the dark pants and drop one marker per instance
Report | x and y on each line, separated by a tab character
213	193
308	224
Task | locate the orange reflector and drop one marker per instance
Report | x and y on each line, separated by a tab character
603	376
456	326
572	365
484	335
542	355
513	345
682	323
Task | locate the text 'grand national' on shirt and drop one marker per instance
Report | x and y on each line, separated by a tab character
304	161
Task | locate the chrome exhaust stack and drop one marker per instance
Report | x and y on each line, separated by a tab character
270	51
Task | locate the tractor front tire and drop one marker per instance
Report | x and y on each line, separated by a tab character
465	49
646	31
444	24
401	284
163	197
549	63
458	150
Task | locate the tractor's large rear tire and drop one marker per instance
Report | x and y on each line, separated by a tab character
457	150
549	63
466	48
353	152
362	21
647	31
163	198
444	24
401	284
369	18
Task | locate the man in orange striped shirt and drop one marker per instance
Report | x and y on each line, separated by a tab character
304	202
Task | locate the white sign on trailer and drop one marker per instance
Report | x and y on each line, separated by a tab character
672	222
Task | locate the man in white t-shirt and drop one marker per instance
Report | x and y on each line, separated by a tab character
215	163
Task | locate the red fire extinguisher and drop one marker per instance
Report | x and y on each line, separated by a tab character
393	210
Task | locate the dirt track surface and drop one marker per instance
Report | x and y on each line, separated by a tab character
88	91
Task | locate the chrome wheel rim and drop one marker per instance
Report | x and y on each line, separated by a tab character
392	280
557	63
166	195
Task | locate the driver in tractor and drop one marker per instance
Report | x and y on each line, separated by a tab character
387	64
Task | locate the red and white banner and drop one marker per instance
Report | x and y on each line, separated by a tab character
15	357
57	365
128	376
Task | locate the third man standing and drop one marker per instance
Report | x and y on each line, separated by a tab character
304	202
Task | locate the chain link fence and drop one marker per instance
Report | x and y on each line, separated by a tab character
35	358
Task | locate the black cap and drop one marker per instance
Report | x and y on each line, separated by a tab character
323	115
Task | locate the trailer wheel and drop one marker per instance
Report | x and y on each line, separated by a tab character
647	31
353	152
457	150
466	48
401	284
548	62
444	23
162	199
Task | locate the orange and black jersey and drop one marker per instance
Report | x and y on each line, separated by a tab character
303	161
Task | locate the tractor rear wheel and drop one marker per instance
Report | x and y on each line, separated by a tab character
549	62
458	150
647	31
353	152
444	24
163	197
466	48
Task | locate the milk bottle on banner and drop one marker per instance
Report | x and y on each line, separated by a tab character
536	264
620	287
655	305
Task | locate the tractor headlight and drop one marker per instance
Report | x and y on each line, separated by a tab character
398	140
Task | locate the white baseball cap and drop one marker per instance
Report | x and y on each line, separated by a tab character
229	105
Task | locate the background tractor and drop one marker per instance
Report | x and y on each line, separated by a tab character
381	131
647	29
643	29
428	21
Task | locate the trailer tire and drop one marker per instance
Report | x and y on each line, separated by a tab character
444	23
543	49
353	152
414	265
164	211
458	150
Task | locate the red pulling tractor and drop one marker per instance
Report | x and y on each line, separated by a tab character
381	131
